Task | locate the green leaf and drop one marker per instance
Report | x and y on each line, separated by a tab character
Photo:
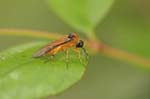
131	33
24	77
83	15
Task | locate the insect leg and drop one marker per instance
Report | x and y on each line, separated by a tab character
49	58
67	57
79	54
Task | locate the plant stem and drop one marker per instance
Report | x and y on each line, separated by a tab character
29	33
122	55
93	44
99	47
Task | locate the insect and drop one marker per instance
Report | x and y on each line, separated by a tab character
62	44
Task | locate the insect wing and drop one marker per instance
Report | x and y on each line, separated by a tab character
43	51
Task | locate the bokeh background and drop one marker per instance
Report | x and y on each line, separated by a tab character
126	26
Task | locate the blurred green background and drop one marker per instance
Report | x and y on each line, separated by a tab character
126	26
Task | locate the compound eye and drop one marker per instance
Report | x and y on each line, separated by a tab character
71	36
80	44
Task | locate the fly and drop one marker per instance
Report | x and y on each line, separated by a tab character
62	44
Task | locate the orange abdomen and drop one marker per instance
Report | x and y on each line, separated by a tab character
62	47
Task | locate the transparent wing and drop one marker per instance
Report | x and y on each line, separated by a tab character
43	51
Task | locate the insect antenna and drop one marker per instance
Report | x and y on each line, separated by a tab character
85	53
